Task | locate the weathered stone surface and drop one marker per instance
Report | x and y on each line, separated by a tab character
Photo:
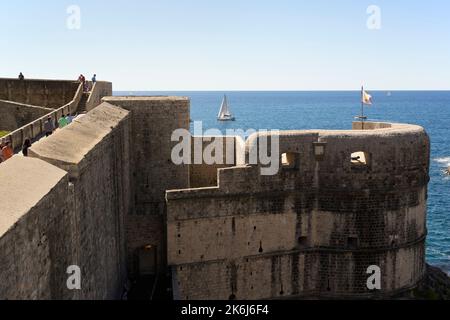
35	240
80	221
100	89
153	120
203	174
44	93
435	286
310	230
14	115
37	179
95	152
71	145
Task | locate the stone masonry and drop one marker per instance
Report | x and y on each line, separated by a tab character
101	191
153	119
312	230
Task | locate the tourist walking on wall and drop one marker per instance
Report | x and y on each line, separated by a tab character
62	122
7	151
21	76
69	119
25	147
82	80
94	79
2	144
49	127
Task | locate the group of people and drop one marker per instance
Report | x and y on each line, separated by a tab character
63	121
6	150
82	79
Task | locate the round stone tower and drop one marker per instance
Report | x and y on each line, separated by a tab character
344	217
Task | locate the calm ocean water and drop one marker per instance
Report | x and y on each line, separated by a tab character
336	110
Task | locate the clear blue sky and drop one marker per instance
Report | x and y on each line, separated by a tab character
231	44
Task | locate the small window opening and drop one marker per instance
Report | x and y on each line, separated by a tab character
303	242
360	159
290	160
352	242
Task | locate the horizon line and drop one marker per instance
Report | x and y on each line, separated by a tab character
283	90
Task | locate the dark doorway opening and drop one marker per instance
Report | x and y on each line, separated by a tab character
150	283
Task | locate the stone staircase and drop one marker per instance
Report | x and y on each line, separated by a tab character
82	105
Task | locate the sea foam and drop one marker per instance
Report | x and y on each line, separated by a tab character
445	161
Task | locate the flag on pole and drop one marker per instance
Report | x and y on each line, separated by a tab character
366	98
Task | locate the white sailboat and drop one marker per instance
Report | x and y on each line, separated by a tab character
224	113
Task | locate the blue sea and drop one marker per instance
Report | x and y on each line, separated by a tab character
336	110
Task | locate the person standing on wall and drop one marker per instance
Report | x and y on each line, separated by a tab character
2	144
49	126
25	147
7	151
69	119
94	79
82	80
62	122
21	77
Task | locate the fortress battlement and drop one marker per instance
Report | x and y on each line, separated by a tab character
314	228
104	195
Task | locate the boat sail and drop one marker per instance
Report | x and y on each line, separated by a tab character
224	113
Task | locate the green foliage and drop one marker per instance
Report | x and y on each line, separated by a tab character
427	294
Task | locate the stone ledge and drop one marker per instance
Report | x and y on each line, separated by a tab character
24	182
71	144
144	98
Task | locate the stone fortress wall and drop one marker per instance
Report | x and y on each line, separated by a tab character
99	90
104	194
67	208
14	115
311	230
152	121
22	102
27	104
45	93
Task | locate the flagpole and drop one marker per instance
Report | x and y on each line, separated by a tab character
362	107
362	118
